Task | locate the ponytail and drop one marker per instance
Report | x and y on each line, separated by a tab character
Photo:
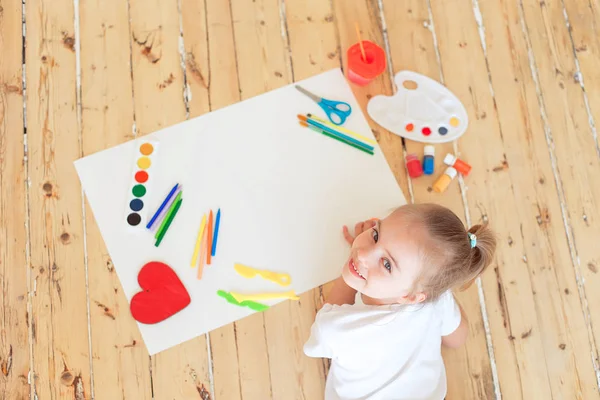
483	246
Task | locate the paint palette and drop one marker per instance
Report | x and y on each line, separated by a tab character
422	110
136	208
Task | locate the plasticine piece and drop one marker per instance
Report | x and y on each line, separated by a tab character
163	294
282	279
265	296
250	304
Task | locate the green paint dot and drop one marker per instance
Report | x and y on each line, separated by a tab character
139	190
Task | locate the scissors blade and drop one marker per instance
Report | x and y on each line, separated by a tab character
309	94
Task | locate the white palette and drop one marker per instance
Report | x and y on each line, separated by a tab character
284	191
422	110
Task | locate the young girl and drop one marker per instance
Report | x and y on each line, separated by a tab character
404	266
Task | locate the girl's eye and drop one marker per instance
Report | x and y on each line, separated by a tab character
375	235
387	265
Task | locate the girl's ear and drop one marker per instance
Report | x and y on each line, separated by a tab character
414	298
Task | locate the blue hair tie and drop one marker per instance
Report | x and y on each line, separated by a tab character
472	239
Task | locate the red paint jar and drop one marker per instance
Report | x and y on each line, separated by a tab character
361	71
413	165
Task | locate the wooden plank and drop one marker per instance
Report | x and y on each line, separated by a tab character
195	34
60	326
573	145
14	319
275	337
120	359
412	48
221	78
158	92
584	23
554	285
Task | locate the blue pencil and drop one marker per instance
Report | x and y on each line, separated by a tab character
216	235
339	134
164	203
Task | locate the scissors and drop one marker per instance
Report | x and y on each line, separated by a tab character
337	111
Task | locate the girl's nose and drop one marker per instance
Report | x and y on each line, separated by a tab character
364	257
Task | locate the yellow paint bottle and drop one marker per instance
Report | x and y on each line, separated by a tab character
444	180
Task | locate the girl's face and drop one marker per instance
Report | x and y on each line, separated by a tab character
384	261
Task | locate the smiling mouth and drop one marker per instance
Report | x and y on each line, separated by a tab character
353	268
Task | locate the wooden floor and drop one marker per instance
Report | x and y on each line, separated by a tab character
91	77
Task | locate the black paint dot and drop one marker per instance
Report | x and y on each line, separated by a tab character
136	205
134	219
443	130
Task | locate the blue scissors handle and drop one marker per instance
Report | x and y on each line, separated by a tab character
337	111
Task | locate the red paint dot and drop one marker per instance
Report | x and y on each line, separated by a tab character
141	176
409	127
426	131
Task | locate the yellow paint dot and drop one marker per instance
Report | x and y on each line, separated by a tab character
454	121
146	149
144	162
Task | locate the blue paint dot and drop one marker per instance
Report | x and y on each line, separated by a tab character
443	130
136	204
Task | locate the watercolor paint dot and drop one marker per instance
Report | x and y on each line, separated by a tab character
426	131
454	121
146	149
139	190
409	127
141	176
144	162
136	204
134	219
442	130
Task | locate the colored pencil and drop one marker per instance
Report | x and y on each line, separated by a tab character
342	129
216	235
334	132
202	253
165	210
198	242
162	225
169	221
209	238
162	206
304	124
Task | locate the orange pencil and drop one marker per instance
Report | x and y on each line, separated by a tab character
202	252
209	238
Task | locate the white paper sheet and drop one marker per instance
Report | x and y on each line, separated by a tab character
284	192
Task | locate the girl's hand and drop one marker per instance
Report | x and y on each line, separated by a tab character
358	229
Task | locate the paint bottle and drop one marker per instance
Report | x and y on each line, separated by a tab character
443	181
360	70
461	166
414	166
428	160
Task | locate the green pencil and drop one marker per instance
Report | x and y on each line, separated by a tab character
169	220
314	128
164	221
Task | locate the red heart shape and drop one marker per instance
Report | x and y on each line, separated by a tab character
163	296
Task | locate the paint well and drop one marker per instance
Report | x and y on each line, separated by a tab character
139	190
426	131
144	162
409	127
442	130
454	121
134	219
136	204
146	149
141	176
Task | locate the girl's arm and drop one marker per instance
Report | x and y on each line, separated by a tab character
341	293
459	336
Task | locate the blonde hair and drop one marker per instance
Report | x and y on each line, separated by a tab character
449	260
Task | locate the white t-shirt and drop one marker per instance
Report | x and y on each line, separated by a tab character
390	352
